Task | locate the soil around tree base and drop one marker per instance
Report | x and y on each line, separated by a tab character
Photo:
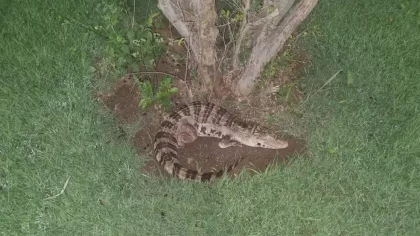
204	154
272	99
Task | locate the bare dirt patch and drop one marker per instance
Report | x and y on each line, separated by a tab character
123	100
205	154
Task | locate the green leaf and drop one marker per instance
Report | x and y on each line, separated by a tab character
146	89
148	36
173	90
119	39
130	35
142	104
114	20
121	61
139	34
180	41
151	17
332	150
134	67
111	51
125	49
129	58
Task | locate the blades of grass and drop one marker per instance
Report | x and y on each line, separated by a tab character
325	84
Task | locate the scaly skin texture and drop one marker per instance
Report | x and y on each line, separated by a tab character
206	120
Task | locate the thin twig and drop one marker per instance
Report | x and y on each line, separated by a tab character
150	137
61	192
219	26
232	35
187	60
245	27
264	20
190	95
134	14
153	72
188	39
181	10
225	45
242	32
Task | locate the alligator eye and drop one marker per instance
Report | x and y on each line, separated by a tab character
259	144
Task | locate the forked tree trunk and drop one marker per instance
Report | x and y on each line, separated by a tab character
271	40
195	20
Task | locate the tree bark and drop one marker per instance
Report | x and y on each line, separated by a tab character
196	22
270	41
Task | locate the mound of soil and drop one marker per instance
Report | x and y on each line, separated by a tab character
204	154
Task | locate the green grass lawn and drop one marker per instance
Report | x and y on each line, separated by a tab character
360	176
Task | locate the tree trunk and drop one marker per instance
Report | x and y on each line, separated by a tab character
196	22
270	41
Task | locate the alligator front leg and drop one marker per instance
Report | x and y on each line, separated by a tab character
186	134
227	141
